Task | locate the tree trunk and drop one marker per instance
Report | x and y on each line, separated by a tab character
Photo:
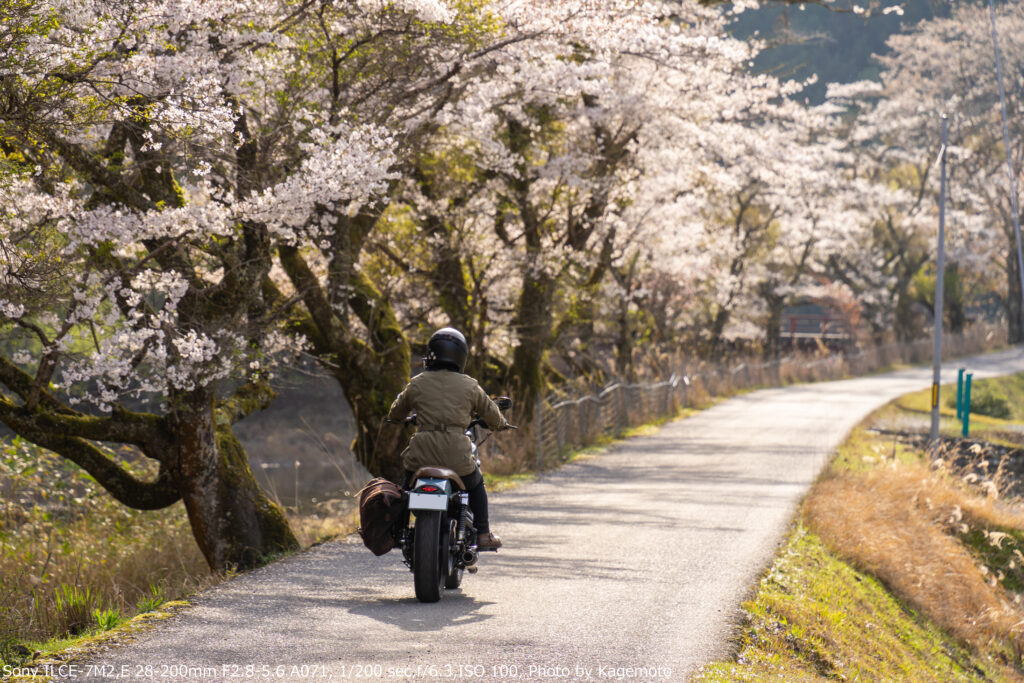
906	326
372	371
234	523
714	344
773	326
449	277
378	446
624	344
533	320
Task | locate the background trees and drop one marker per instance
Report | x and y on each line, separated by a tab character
193	193
945	66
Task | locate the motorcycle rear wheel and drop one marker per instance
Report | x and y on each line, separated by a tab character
428	556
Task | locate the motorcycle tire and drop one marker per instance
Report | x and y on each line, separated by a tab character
428	556
453	577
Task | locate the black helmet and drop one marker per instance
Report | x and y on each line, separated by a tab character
447	348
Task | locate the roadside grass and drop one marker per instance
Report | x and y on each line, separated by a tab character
73	558
901	566
903	524
59	651
314	528
818	618
75	563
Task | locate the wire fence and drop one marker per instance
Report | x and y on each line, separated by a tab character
563	425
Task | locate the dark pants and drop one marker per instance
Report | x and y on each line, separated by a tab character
477	498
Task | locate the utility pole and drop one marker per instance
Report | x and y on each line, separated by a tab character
1009	166
940	278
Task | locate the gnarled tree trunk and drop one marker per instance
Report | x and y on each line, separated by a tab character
233	521
371	371
201	462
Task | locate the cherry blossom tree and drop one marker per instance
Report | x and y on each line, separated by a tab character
575	148
157	156
193	192
338	300
947	66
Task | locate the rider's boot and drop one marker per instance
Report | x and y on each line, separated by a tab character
488	541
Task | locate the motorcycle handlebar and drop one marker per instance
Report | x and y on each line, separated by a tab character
477	422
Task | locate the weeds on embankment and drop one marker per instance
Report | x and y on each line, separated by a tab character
74	561
906	525
906	564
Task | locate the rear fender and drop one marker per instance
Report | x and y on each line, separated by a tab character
436	499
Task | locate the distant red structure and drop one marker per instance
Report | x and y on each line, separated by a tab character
813	323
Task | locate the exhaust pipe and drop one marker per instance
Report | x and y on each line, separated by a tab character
469	557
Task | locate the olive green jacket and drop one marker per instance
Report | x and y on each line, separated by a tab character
445	403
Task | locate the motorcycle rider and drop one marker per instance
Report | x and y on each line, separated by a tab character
445	400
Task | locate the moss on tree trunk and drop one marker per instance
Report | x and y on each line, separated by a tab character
234	523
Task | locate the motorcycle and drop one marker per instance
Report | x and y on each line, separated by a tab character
439	543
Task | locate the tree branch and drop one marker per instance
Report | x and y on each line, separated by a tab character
123	486
246	400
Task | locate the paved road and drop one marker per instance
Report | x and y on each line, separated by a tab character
638	558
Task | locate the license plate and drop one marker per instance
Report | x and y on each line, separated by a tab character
427	501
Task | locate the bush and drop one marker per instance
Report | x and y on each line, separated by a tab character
988	402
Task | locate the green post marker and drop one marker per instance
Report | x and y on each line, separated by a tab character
960	394
967	405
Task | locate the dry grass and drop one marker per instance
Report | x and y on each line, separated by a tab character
67	548
900	523
816	618
314	528
511	453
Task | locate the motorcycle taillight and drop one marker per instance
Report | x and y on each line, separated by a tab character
429	489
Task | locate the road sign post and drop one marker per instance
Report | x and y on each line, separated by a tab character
960	394
967	405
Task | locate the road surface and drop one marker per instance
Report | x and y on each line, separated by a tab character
630	565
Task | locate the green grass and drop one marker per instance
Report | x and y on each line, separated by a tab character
814	617
55	652
505	482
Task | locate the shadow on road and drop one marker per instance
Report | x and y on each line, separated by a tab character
454	610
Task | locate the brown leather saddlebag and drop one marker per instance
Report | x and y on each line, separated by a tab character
380	507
